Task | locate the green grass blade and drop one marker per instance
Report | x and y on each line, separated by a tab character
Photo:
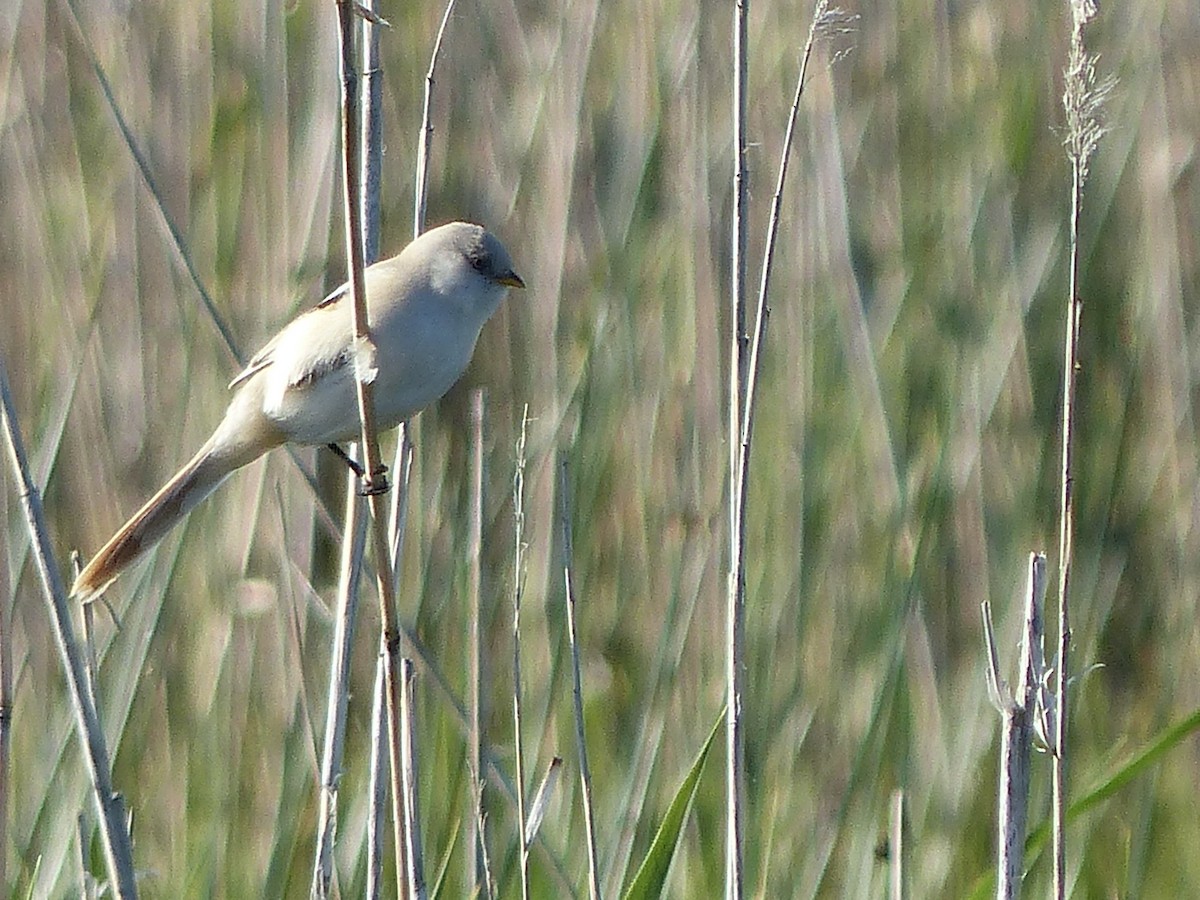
652	874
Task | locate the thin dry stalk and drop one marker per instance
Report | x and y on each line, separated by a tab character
378	774
1082	99
377	810
397	528
1066	541
486	887
475	833
416	866
404	446
744	371
114	833
375	481
735	606
821	19
87	883
7	594
350	567
422	186
896	846
350	570
398	518
402	463
1016	742
585	772
139	158
372	133
518	590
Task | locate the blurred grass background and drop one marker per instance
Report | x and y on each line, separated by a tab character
905	458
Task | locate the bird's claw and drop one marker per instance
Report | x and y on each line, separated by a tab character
376	484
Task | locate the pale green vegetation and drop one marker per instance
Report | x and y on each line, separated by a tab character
905	456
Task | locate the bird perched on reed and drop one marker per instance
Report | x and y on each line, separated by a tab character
426	308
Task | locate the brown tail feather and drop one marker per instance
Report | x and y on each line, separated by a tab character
149	525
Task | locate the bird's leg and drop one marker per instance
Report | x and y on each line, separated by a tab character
347	459
377	483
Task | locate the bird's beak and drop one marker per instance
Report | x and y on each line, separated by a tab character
510	279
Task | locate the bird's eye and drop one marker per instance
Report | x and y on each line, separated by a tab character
479	262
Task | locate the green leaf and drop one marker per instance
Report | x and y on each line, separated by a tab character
439	882
648	883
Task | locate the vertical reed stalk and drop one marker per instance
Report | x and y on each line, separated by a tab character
1082	100
735	612
421	200
375	481
518	590
476	837
896	846
585	772
412	831
354	534
377	809
114	833
1019	714
8	595
744	370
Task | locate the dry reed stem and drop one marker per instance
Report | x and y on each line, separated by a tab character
404	447
372	133
375	482
377	809
354	525
585	772
412	830
744	371
819	17
486	887
349	572
143	166
518	590
896	846
735	604
476	837
1019	714
1082	99
421	200
7	595
114	833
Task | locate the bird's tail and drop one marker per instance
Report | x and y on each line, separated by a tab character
149	525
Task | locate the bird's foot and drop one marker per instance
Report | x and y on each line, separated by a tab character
377	483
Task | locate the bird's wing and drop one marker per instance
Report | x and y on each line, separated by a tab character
257	363
334	296
315	367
